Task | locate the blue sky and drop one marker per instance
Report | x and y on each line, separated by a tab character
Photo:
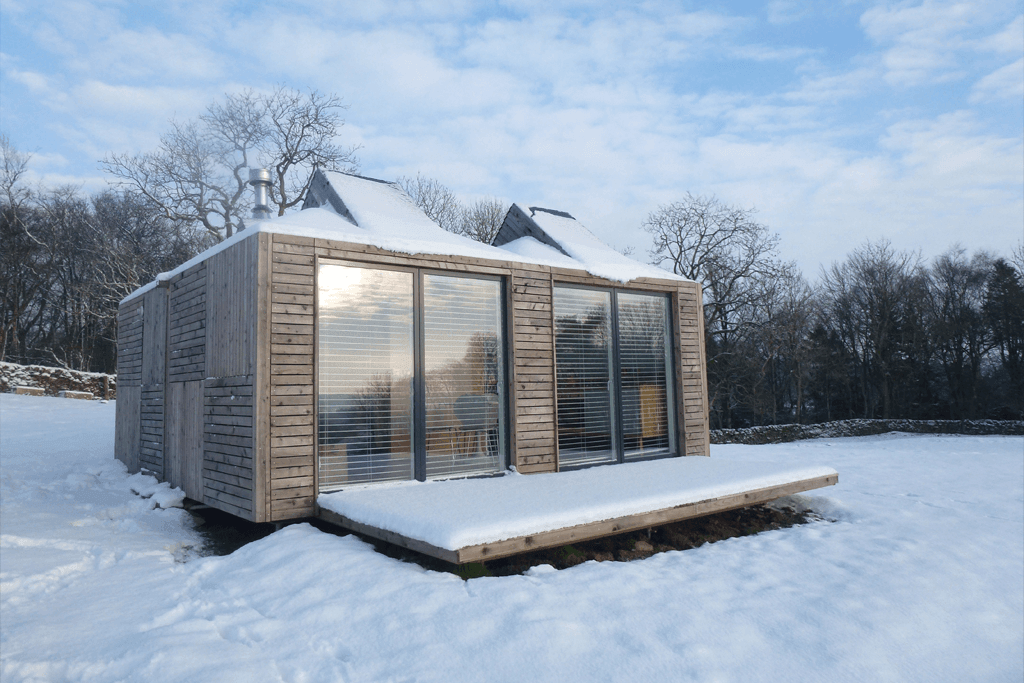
840	122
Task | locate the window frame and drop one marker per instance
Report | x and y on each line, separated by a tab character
672	391
419	420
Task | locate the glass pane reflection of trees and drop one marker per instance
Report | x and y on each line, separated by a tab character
583	352
591	416
365	376
463	374
367	373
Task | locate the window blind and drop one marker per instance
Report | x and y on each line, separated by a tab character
583	357
644	360
463	375
365	376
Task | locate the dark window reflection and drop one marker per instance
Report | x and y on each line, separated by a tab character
583	354
644	355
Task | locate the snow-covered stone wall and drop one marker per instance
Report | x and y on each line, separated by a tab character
54	380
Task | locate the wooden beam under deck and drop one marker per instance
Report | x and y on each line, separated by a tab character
582	532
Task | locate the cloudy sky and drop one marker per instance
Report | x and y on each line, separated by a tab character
840	122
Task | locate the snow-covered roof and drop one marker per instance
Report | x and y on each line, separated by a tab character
349	208
582	247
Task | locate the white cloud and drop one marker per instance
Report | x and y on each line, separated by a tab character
1010	40
604	112
1005	83
925	38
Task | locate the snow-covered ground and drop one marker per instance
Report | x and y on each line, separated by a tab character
920	579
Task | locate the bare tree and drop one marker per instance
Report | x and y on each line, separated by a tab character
1004	312
732	257
199	172
482	219
868	301
17	286
435	199
962	338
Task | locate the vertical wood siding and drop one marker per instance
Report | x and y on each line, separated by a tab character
231	291
126	430
183	436
154	365
692	371
534	446
187	325
292	343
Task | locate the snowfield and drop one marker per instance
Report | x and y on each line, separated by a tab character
920	578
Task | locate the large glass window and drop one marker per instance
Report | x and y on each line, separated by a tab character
463	351
613	355
408	390
583	352
365	375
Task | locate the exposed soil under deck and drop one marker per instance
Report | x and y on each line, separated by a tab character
226	533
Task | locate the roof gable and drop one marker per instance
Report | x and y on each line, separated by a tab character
519	224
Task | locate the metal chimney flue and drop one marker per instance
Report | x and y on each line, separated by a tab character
259	178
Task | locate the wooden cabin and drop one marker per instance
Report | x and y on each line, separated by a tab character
355	342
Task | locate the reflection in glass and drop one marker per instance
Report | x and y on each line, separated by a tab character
463	375
583	357
644	355
365	376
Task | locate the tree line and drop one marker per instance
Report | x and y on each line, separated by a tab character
880	334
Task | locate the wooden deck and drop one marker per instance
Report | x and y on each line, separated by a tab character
733	491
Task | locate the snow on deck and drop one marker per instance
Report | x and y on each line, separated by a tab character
455	514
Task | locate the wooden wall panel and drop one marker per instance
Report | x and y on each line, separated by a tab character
151	430
129	378
183	437
534	442
154	336
228	444
129	343
231	291
186	360
292	477
693	371
126	430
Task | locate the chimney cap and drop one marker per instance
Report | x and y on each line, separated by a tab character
258	175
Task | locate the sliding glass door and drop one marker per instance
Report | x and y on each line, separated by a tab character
411	375
463	375
583	355
365	376
613	355
645	358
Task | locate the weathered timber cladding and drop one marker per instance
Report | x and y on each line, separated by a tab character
231	295
692	371
187	325
129	378
126	432
151	432
154	336
534	442
129	343
228	444
218	370
186	331
292	486
183	437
